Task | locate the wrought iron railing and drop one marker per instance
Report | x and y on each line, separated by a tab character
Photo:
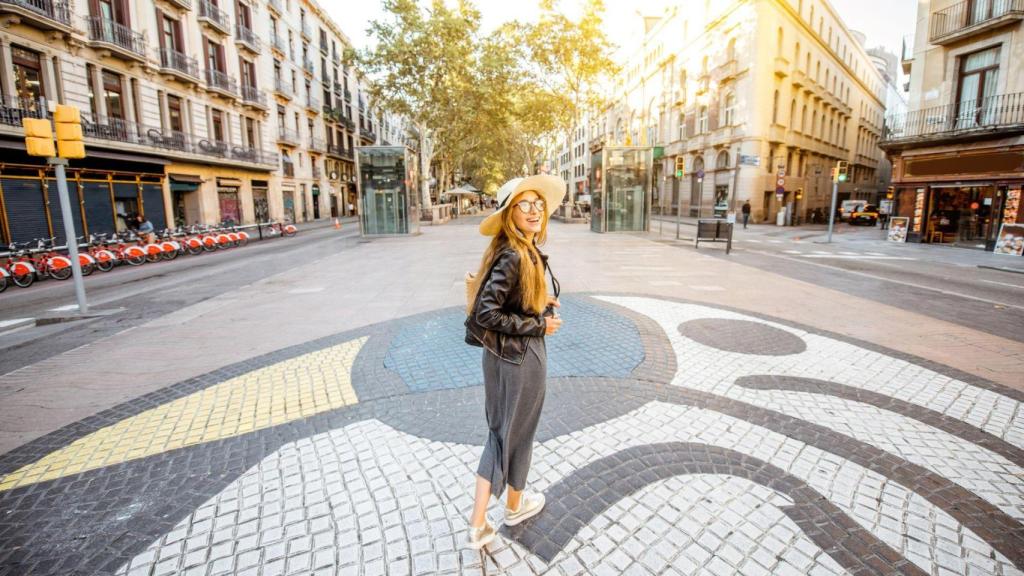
174	60
253	95
312	102
288	168
969	13
306	30
317	144
221	81
172	142
248	37
106	30
211	12
308	66
287	135
13	109
58	11
951	119
278	43
275	4
283	87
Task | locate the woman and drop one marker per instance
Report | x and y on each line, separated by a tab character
510	316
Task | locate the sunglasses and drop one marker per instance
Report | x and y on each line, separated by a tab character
524	205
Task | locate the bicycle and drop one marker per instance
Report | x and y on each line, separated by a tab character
19	265
129	252
97	247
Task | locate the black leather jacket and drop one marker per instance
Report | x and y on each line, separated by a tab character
500	324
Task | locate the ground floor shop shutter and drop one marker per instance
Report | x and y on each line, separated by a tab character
99	213
57	215
153	205
26	213
229	209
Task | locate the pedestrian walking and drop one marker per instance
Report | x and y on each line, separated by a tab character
745	209
509	314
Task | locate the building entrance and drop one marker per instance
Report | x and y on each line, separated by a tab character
965	216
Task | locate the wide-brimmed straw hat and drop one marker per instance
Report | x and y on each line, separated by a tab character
550	188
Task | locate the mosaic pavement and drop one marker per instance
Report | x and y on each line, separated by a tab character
676	439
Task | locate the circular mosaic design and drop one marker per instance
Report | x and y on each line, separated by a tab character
742	336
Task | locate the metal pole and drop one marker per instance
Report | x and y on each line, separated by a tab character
679	210
69	232
832	212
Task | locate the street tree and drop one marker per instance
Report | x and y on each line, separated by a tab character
572	58
420	67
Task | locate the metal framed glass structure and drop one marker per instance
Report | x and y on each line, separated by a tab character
621	184
388	192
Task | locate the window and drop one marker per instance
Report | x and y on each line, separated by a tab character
702	120
214	56
792	114
112	11
730	53
775	108
28	77
729	110
243	16
778	42
170	34
248	72
113	94
174	117
723	160
217	125
250	132
979	78
803	119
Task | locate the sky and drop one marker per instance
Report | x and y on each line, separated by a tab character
885	22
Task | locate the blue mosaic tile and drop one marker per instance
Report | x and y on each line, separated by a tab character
594	341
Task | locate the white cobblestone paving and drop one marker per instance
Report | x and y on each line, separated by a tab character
712	370
369	498
989	475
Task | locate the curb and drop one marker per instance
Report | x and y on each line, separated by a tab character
1002	269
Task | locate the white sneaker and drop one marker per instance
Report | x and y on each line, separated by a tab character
480	537
530	505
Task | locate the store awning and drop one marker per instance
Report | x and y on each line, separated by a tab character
229	182
186	178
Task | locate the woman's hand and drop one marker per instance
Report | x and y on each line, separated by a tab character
552	301
552	324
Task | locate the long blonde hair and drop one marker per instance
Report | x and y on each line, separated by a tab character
533	290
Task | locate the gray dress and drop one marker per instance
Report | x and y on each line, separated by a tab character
514	399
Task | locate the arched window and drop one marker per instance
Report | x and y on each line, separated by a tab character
730	52
817	71
796	55
778	42
792	114
723	160
807	66
803	119
729	110
775	108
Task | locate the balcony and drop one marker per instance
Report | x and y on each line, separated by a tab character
346	153
971	17
725	71
325	76
118	133
368	135
308	67
334	150
781	67
220	82
324	48
316	172
347	121
179	65
213	16
254	97
247	39
287	137
907	56
13	109
277	43
317	145
44	14
288	168
994	117
275	5
800	79
348	95
312	105
283	88
119	39
307	32
183	4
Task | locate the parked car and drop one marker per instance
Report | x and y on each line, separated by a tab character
867	214
849	207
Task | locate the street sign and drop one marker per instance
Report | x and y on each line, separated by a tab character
781	172
750	160
700	173
780	182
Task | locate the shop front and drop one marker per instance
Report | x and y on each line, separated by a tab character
962	198
388	190
621	189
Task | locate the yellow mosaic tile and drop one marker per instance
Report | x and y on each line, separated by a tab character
290	390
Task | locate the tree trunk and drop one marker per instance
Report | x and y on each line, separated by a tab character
426	155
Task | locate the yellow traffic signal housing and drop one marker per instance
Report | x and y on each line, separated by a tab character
38	137
69	132
842	171
680	166
799	193
889	192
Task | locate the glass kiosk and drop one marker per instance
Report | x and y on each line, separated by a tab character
388	190
620	189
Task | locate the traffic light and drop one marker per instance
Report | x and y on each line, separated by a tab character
799	193
38	137
889	192
69	132
680	166
842	171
